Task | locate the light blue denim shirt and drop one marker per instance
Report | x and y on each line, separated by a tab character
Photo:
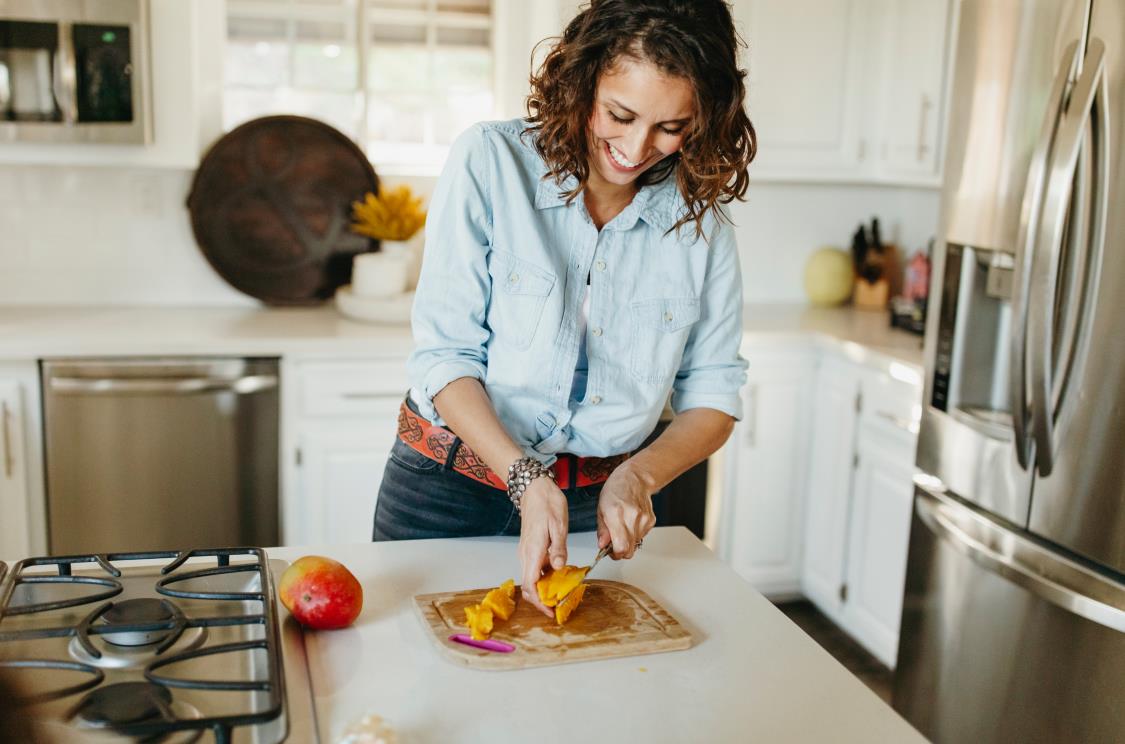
503	279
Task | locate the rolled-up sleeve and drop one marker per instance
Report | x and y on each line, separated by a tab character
451	302
712	372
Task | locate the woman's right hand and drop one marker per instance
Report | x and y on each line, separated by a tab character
543	530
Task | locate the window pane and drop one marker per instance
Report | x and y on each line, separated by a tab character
398	67
398	4
257	63
397	117
394	33
481	7
462	70
455	113
325	57
338	109
478	37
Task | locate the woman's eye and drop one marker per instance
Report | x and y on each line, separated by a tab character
671	131
618	119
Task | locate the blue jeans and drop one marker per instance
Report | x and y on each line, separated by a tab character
421	498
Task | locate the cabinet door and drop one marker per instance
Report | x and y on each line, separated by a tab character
15	525
806	89
879	535
829	493
341	467
767	455
915	43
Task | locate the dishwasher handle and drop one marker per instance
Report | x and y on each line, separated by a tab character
161	386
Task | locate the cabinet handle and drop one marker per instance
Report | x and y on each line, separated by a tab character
9	462
923	148
752	416
900	423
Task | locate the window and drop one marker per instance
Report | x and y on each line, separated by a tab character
401	77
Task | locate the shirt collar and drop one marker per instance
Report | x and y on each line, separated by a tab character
654	203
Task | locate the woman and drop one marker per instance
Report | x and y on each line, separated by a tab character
578	269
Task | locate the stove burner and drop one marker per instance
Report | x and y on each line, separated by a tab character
125	703
135	612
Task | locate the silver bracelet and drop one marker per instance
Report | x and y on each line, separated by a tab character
520	474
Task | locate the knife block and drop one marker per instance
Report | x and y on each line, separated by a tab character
871	295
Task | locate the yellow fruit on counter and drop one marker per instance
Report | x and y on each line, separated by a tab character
829	276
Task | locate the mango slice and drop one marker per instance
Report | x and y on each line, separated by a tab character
479	620
563	590
568	605
502	600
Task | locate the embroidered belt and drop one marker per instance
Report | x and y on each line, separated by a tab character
442	445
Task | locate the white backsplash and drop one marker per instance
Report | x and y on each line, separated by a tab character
104	236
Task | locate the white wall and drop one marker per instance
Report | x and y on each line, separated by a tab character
106	236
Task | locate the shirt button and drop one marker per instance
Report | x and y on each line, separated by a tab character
513	278
668	316
595	400
600	265
596	331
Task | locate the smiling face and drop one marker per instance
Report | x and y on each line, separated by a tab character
641	116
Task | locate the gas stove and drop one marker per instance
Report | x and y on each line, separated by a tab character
157	646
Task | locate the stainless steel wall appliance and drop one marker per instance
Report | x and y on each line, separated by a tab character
1013	624
160	454
75	71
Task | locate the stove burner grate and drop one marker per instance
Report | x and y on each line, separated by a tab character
97	676
149	618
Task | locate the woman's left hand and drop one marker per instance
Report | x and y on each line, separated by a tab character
625	512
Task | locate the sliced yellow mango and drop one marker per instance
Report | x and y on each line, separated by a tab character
569	604
501	600
559	583
478	618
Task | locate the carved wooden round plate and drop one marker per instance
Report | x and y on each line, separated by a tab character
271	208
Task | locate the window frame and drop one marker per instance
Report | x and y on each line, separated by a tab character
361	18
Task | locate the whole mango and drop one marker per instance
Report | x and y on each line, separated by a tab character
320	593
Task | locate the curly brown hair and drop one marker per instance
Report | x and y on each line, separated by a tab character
692	39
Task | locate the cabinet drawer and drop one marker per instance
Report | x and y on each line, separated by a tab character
351	388
890	401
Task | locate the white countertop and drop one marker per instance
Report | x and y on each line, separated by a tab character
30	332
752	674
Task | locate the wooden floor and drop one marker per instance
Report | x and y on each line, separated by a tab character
846	651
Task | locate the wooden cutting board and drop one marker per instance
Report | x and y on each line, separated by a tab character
613	620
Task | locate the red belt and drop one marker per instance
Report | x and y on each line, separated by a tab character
438	443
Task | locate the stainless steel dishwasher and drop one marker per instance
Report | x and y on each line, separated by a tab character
160	454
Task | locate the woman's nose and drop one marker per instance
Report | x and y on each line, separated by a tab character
638	143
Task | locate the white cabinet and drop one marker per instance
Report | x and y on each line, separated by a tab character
186	46
828	498
847	90
765	470
915	60
340	422
859	498
878	538
22	526
806	66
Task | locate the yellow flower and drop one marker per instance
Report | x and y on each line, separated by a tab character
394	214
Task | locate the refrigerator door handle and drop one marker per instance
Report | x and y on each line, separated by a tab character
1046	574
1025	251
1087	97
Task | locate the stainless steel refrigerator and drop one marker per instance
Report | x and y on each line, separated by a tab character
1013	623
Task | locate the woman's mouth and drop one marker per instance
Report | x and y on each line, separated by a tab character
620	162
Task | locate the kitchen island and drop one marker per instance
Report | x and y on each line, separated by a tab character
751	676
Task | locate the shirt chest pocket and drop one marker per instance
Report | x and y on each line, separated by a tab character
519	293
660	333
